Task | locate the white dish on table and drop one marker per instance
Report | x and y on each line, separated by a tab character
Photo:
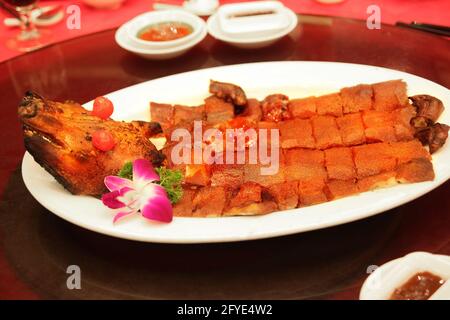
252	40
381	284
295	79
126	35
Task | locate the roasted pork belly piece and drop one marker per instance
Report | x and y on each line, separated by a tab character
252	173
381	180
330	104
248	192
209	202
404	152
379	126
228	92
372	159
256	208
326	132
311	191
304	164
389	95
296	133
197	174
416	170
163	114
228	175
357	98
59	137
218	110
188	114
336	189
351	128
303	108
404	131
339	163
285	194
184	207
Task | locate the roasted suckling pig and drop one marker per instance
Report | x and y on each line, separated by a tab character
358	139
59	137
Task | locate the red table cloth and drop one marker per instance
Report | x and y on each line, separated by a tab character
92	20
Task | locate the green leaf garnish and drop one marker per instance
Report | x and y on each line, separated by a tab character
127	171
171	181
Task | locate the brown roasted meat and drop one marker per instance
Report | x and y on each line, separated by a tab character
228	92
59	137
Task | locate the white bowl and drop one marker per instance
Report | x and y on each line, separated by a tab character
382	282
135	25
104	4
124	41
249	42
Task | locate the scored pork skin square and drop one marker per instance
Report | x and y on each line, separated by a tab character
303	108
330	104
339	163
249	192
402	123
409	150
326	132
188	114
209	201
183	208
379	126
252	173
372	159
417	170
296	133
311	192
351	128
303	164
389	95
285	194
357	98
217	110
381	180
227	174
336	189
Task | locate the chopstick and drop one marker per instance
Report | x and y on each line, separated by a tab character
9	10
432	28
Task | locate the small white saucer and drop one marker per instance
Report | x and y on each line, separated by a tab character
385	279
157	51
255	42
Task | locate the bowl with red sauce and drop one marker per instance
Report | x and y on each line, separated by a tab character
416	276
164	29
161	34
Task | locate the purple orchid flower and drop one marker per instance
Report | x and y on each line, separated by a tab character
140	194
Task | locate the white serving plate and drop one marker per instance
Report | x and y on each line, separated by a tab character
296	79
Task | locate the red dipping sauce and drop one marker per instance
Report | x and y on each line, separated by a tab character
165	31
420	287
